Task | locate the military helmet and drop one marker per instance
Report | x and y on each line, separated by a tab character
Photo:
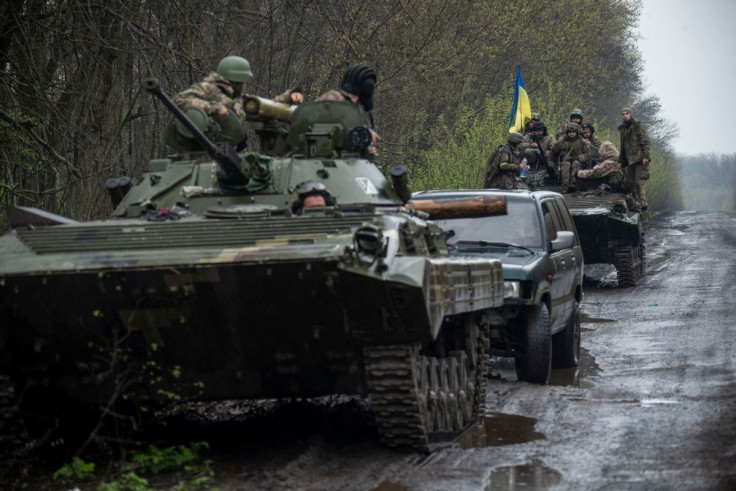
588	127
538	125
360	80
576	112
515	137
309	188
235	69
573	127
536	117
196	116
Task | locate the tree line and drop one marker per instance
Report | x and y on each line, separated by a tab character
72	113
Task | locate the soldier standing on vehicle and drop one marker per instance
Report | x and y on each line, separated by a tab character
357	87
634	157
576	116
594	143
504	164
569	151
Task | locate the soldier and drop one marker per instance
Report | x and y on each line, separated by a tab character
357	87
221	90
569	151
609	169
310	194
536	118
536	146
504	164
634	157
576	116
594	143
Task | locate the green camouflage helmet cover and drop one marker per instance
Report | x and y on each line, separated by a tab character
577	112
235	69
515	137
574	127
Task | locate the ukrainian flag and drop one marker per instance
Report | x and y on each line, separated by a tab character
521	111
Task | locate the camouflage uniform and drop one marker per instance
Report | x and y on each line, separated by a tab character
502	168
336	96
214	93
609	169
569	152
533	155
634	149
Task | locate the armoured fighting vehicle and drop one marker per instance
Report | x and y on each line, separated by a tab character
610	232
208	282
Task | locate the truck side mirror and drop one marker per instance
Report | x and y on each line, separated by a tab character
564	240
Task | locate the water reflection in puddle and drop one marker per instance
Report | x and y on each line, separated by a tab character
499	429
586	319
522	477
580	376
390	486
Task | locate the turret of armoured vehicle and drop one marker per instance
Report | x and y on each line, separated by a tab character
208	283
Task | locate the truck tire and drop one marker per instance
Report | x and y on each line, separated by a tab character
566	343
534	360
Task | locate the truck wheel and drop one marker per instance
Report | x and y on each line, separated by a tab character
534	361
566	344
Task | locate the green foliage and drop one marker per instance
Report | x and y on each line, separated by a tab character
76	470
129	481
155	460
457	158
183	460
663	187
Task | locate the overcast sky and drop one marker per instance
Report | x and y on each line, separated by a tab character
689	50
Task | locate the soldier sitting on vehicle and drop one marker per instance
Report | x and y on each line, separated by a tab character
609	171
576	116
536	146
504	165
569	151
593	142
529	127
310	194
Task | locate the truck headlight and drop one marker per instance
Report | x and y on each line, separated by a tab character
511	289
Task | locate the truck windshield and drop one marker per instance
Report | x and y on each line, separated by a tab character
520	227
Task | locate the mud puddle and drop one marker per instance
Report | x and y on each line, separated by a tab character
580	376
498	429
530	476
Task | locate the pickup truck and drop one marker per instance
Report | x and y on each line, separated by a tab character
538	246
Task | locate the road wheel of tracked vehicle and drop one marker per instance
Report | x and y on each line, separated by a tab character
566	343
629	264
419	397
533	362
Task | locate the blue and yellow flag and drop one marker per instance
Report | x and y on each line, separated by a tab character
521	111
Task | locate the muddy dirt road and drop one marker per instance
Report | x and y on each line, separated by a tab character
653	405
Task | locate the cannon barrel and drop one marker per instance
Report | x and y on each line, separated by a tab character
222	152
262	109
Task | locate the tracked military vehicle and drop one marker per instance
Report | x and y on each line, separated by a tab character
208	283
610	232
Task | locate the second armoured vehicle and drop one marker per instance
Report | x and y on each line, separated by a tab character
211	281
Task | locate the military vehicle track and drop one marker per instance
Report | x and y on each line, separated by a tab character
417	397
629	262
